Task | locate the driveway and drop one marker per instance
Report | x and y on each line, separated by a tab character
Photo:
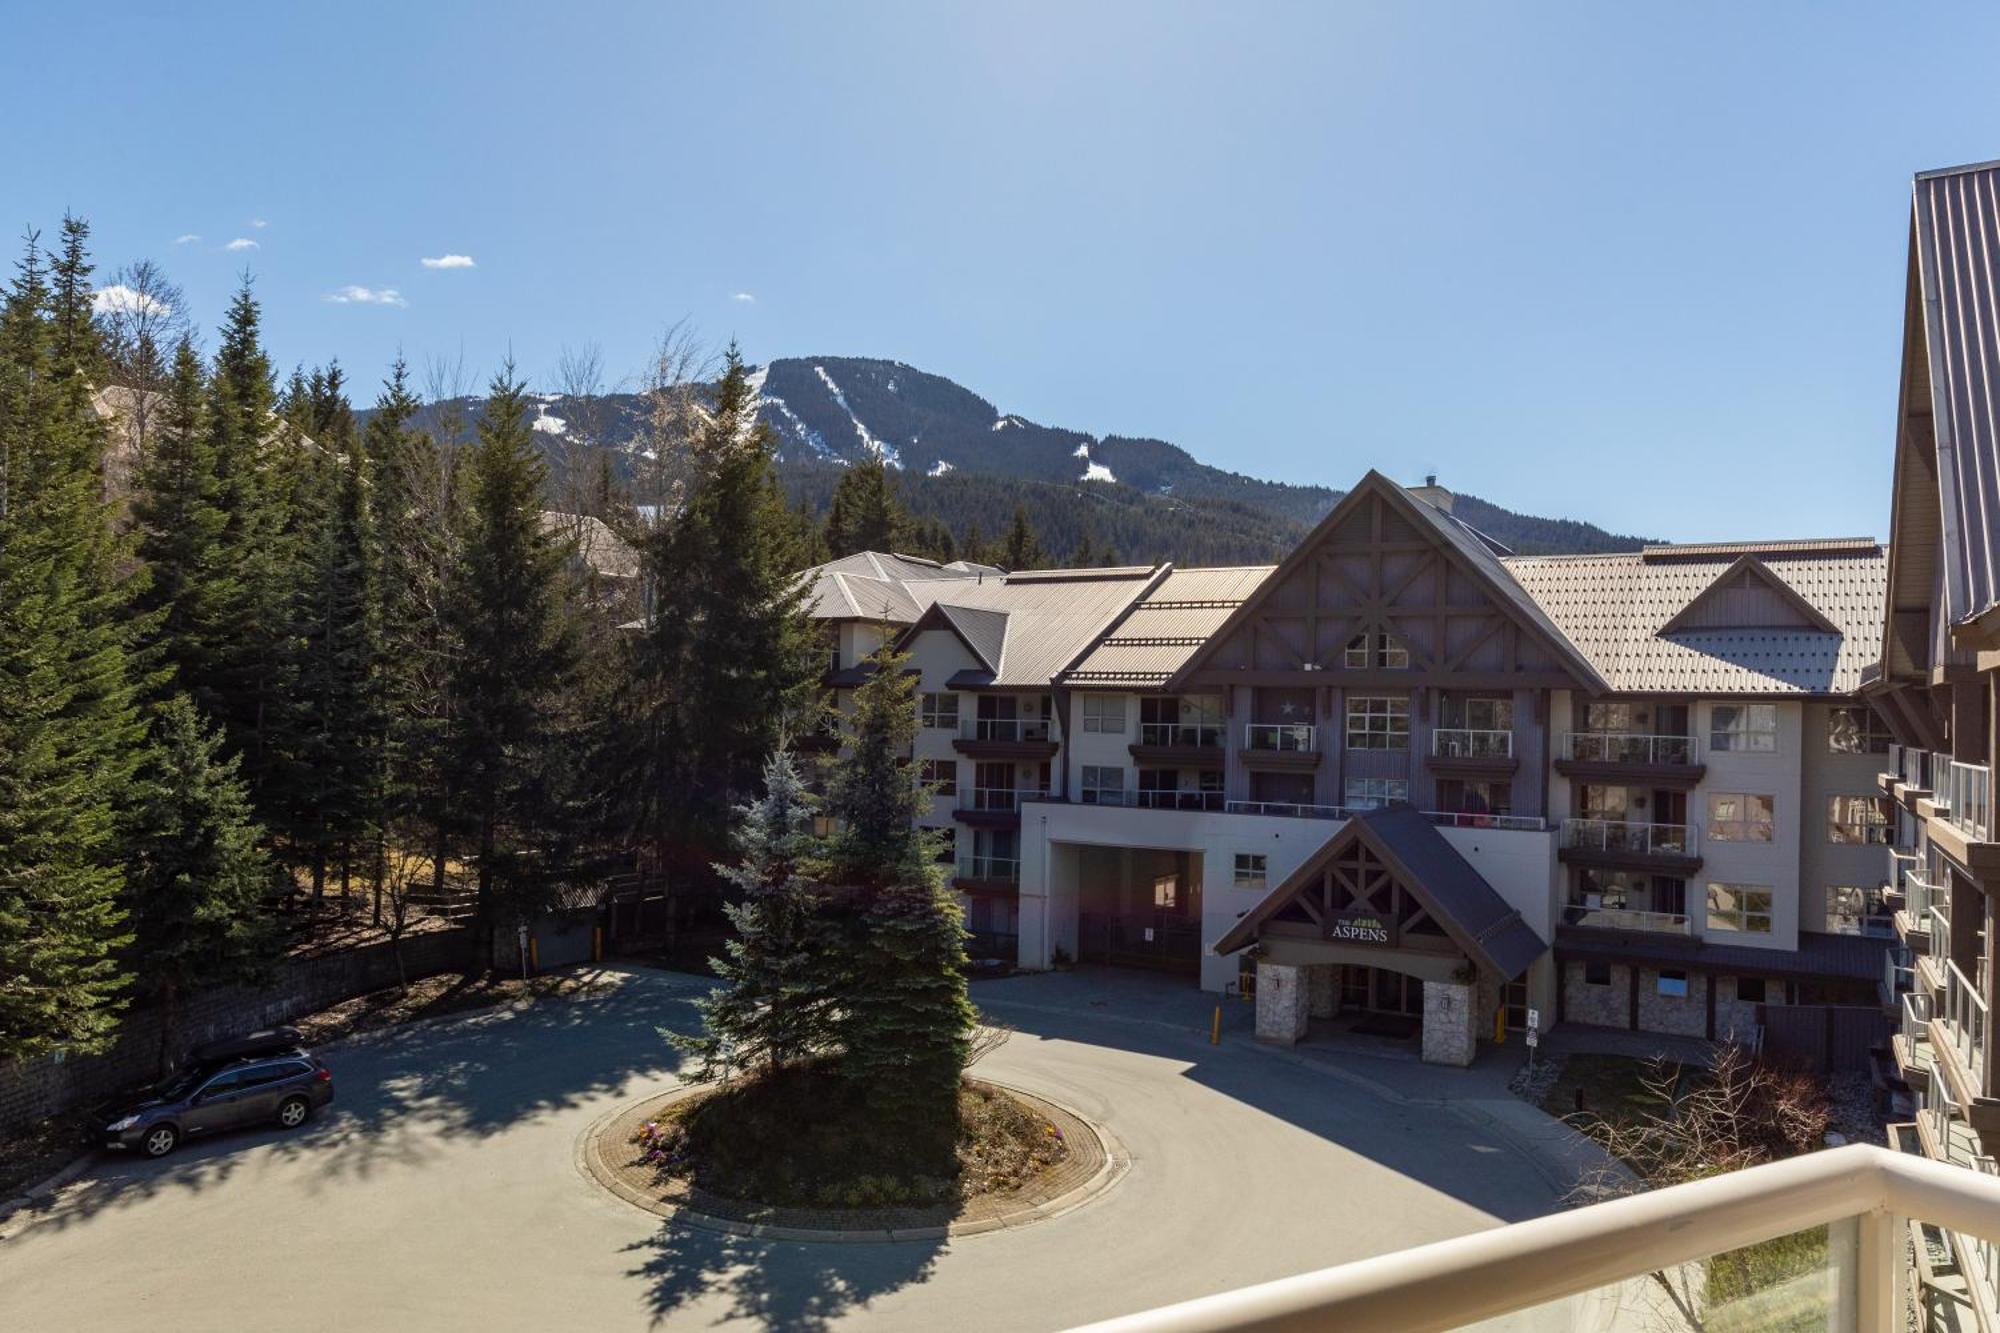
440	1190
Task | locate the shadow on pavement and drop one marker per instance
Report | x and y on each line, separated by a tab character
772	1284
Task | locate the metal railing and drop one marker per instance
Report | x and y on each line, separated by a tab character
1194	735
1916	1017
1967	789
999	798
1897	975
1611	747
1938	925
1149	799
1919	894
1602	1265
1625	918
1964	1020
1616	835
1290	810
1288	737
1471	743
1476	819
1032	729
971	865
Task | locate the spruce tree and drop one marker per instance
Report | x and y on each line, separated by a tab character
866	514
198	869
905	1021
516	656
1021	549
70	732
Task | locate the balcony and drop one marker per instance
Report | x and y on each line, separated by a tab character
1913	920
1178	745
1625	918
1911	1042
986	874
1031	738
1671	762
1602	1266
994	807
1287	746
1966	793
1148	798
1473	752
1613	842
1957	1026
1898	977
1289	810
1442	818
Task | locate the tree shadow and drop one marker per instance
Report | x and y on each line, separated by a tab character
772	1284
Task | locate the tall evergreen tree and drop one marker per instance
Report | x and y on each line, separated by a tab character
866	514
1021	549
516	655
198	869
70	732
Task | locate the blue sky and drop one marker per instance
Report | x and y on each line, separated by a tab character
1637	265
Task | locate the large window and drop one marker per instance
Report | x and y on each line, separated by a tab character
1611	717
1250	870
1857	819
1103	785
1856	731
1368	793
1378	722
1740	907
1739	817
1377	648
1857	910
939	711
1746	728
1104	713
942	776
1487	714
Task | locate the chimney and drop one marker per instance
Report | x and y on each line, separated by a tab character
1432	494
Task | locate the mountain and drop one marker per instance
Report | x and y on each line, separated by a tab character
964	462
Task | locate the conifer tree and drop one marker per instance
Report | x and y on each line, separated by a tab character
516	655
198	869
70	733
1021	549
866	514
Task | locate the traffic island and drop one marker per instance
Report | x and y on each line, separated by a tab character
1023	1160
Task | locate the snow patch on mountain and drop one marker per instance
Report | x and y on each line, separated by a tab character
882	450
1091	471
939	468
547	424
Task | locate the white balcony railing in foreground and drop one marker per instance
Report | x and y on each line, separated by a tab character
1595	1267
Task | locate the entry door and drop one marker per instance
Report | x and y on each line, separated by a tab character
1514	1004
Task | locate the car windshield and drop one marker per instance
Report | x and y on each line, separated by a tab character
176	1086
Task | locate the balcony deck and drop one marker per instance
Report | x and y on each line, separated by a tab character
1028	738
1669	849
1178	745
1672	763
1471	753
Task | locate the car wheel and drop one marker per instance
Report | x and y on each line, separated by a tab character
160	1140
293	1112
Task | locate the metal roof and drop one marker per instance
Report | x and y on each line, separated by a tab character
1165	627
1794	546
1819	954
1049	616
1616	609
872	585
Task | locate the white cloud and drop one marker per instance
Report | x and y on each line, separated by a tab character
357	295
748	298
259	223
449	261
241	243
186	238
118	299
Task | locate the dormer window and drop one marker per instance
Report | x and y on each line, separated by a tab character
1377	649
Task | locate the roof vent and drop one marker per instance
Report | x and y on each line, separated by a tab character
1432	494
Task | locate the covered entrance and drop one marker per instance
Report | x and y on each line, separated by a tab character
1386	919
1139	907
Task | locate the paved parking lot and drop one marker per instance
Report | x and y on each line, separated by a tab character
440	1190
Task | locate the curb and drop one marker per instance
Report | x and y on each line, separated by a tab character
591	1165
43	1191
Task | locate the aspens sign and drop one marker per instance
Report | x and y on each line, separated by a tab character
1361	928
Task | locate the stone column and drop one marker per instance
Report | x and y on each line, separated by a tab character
1450	1023
1283	1003
1323	986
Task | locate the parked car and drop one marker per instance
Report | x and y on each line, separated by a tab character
262	1078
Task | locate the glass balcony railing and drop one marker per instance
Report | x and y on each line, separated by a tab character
1189	735
1964	1015
1938	925
1610	747
1471	743
1916	1007
1289	809
1967	790
999	798
1625	918
1147	799
971	865
1617	835
1004	729
1282	737
1481	819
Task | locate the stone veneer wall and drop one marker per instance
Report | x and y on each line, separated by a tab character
1451	1023
1598	1006
1685	1016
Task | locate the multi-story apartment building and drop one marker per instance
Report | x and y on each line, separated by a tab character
1938	677
1410	775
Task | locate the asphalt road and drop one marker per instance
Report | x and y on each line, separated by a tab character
440	1190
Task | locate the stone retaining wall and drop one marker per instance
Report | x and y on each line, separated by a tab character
31	1090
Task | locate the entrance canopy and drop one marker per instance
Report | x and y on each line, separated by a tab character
1389	882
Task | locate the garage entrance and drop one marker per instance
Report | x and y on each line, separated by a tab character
1139	907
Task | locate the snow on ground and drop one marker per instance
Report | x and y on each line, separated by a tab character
812	439
939	468
1091	471
549	425
882	450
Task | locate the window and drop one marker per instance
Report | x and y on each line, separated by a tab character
1377	648
1673	985
1488	714
1103	785
1378	722
1368	793
1249	870
942	776
1167	892
939	711
1856	731
1749	728
1857	819
1750	990
1104	713
1597	974
947	844
1739	817
1456	796
1740	907
1857	910
1615	718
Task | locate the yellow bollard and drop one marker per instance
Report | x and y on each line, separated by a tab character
1215	1028
534	958
597	944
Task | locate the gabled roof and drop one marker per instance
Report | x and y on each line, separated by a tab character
1024	628
876	585
1721	606
982	630
1159	632
1474	915
1474	550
